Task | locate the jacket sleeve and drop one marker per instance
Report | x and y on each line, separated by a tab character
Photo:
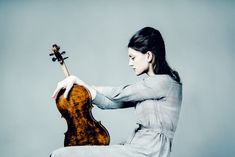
129	95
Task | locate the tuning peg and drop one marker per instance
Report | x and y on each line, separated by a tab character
65	58
54	59
63	52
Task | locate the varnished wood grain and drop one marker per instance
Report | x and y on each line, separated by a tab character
83	129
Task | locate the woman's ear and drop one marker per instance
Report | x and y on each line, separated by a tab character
149	56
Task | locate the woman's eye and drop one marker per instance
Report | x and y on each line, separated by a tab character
132	58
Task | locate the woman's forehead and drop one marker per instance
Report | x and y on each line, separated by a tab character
132	52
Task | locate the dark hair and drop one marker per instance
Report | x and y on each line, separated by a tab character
150	39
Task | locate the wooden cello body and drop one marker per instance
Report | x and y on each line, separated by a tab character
83	129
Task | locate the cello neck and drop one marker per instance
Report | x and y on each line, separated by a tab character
65	69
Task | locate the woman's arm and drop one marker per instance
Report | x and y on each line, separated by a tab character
68	83
98	88
129	95
105	90
104	102
119	97
104	96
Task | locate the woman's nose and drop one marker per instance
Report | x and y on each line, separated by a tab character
130	63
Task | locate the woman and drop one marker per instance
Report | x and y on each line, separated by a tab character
157	100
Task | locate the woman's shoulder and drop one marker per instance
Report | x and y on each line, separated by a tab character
160	79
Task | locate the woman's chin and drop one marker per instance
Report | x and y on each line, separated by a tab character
138	74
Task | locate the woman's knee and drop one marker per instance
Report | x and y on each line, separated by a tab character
57	153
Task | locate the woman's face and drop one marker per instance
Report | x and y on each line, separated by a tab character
138	61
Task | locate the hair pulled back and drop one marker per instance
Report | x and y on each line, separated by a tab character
150	39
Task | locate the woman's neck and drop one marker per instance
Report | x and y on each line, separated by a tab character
150	71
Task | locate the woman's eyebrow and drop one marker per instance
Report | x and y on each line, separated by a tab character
130	55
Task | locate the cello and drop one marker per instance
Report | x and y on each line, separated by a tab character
83	129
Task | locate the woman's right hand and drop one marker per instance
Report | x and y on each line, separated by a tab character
66	84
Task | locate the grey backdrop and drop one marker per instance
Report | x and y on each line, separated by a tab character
199	38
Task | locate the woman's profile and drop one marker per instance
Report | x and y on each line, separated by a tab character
156	98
